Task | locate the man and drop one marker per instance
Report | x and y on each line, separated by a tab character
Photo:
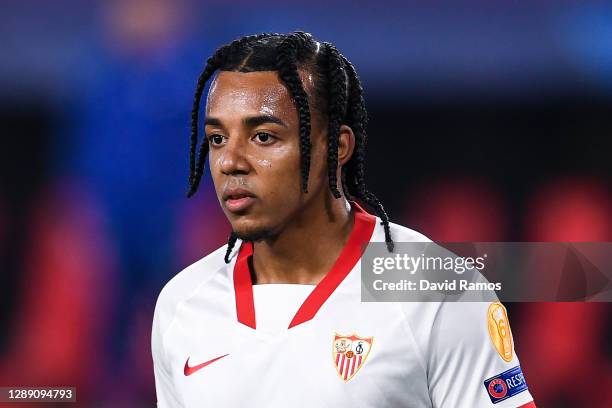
274	318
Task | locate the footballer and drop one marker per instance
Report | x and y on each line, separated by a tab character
274	318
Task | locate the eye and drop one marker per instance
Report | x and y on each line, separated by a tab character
264	138
216	140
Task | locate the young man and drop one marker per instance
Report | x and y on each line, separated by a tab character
274	318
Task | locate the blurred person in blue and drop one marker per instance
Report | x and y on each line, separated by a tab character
135	80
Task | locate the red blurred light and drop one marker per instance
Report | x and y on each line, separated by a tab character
458	210
574	210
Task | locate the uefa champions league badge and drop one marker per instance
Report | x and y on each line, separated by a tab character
505	385
499	330
350	353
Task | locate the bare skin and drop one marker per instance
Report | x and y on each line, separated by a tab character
253	130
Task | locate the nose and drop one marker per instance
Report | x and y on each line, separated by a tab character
232	159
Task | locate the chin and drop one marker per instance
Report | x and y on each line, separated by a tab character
246	231
253	235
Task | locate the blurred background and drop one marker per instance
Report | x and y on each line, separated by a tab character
489	122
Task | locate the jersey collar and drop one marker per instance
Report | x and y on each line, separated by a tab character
348	258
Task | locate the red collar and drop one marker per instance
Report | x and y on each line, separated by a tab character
243	286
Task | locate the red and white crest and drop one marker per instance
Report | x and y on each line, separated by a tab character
350	353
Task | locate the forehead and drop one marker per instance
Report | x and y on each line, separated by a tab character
263	91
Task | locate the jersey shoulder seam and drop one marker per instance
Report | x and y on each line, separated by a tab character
208	275
421	355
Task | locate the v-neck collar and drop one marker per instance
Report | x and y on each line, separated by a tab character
348	258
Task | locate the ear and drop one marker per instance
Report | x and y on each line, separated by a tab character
346	144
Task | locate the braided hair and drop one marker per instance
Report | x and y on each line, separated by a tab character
338	95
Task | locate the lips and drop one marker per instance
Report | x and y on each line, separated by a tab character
238	199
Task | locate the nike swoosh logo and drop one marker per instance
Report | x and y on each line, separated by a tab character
190	370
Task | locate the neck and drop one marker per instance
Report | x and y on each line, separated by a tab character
307	248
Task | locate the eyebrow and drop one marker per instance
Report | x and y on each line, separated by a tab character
251	121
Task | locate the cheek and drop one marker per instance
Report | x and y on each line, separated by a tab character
214	162
277	168
319	158
264	163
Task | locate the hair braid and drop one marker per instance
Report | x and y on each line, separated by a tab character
358	118
194	175
337	109
356	171
230	246
287	70
375	203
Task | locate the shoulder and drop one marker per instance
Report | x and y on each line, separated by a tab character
463	315
186	283
399	233
405	234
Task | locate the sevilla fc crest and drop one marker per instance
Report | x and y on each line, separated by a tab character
350	354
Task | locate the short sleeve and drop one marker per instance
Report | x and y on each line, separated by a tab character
164	387
471	360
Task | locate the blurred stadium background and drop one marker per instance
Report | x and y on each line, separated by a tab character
489	122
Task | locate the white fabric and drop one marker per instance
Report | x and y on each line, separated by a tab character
276	304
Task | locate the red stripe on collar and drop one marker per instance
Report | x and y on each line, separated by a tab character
348	258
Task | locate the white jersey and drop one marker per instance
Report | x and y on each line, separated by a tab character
219	341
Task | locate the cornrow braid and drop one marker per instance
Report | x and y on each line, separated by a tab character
288	73
337	93
211	65
356	169
358	118
337	101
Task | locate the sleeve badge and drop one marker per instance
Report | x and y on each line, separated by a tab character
499	330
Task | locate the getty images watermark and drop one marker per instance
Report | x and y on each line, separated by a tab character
413	265
487	271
